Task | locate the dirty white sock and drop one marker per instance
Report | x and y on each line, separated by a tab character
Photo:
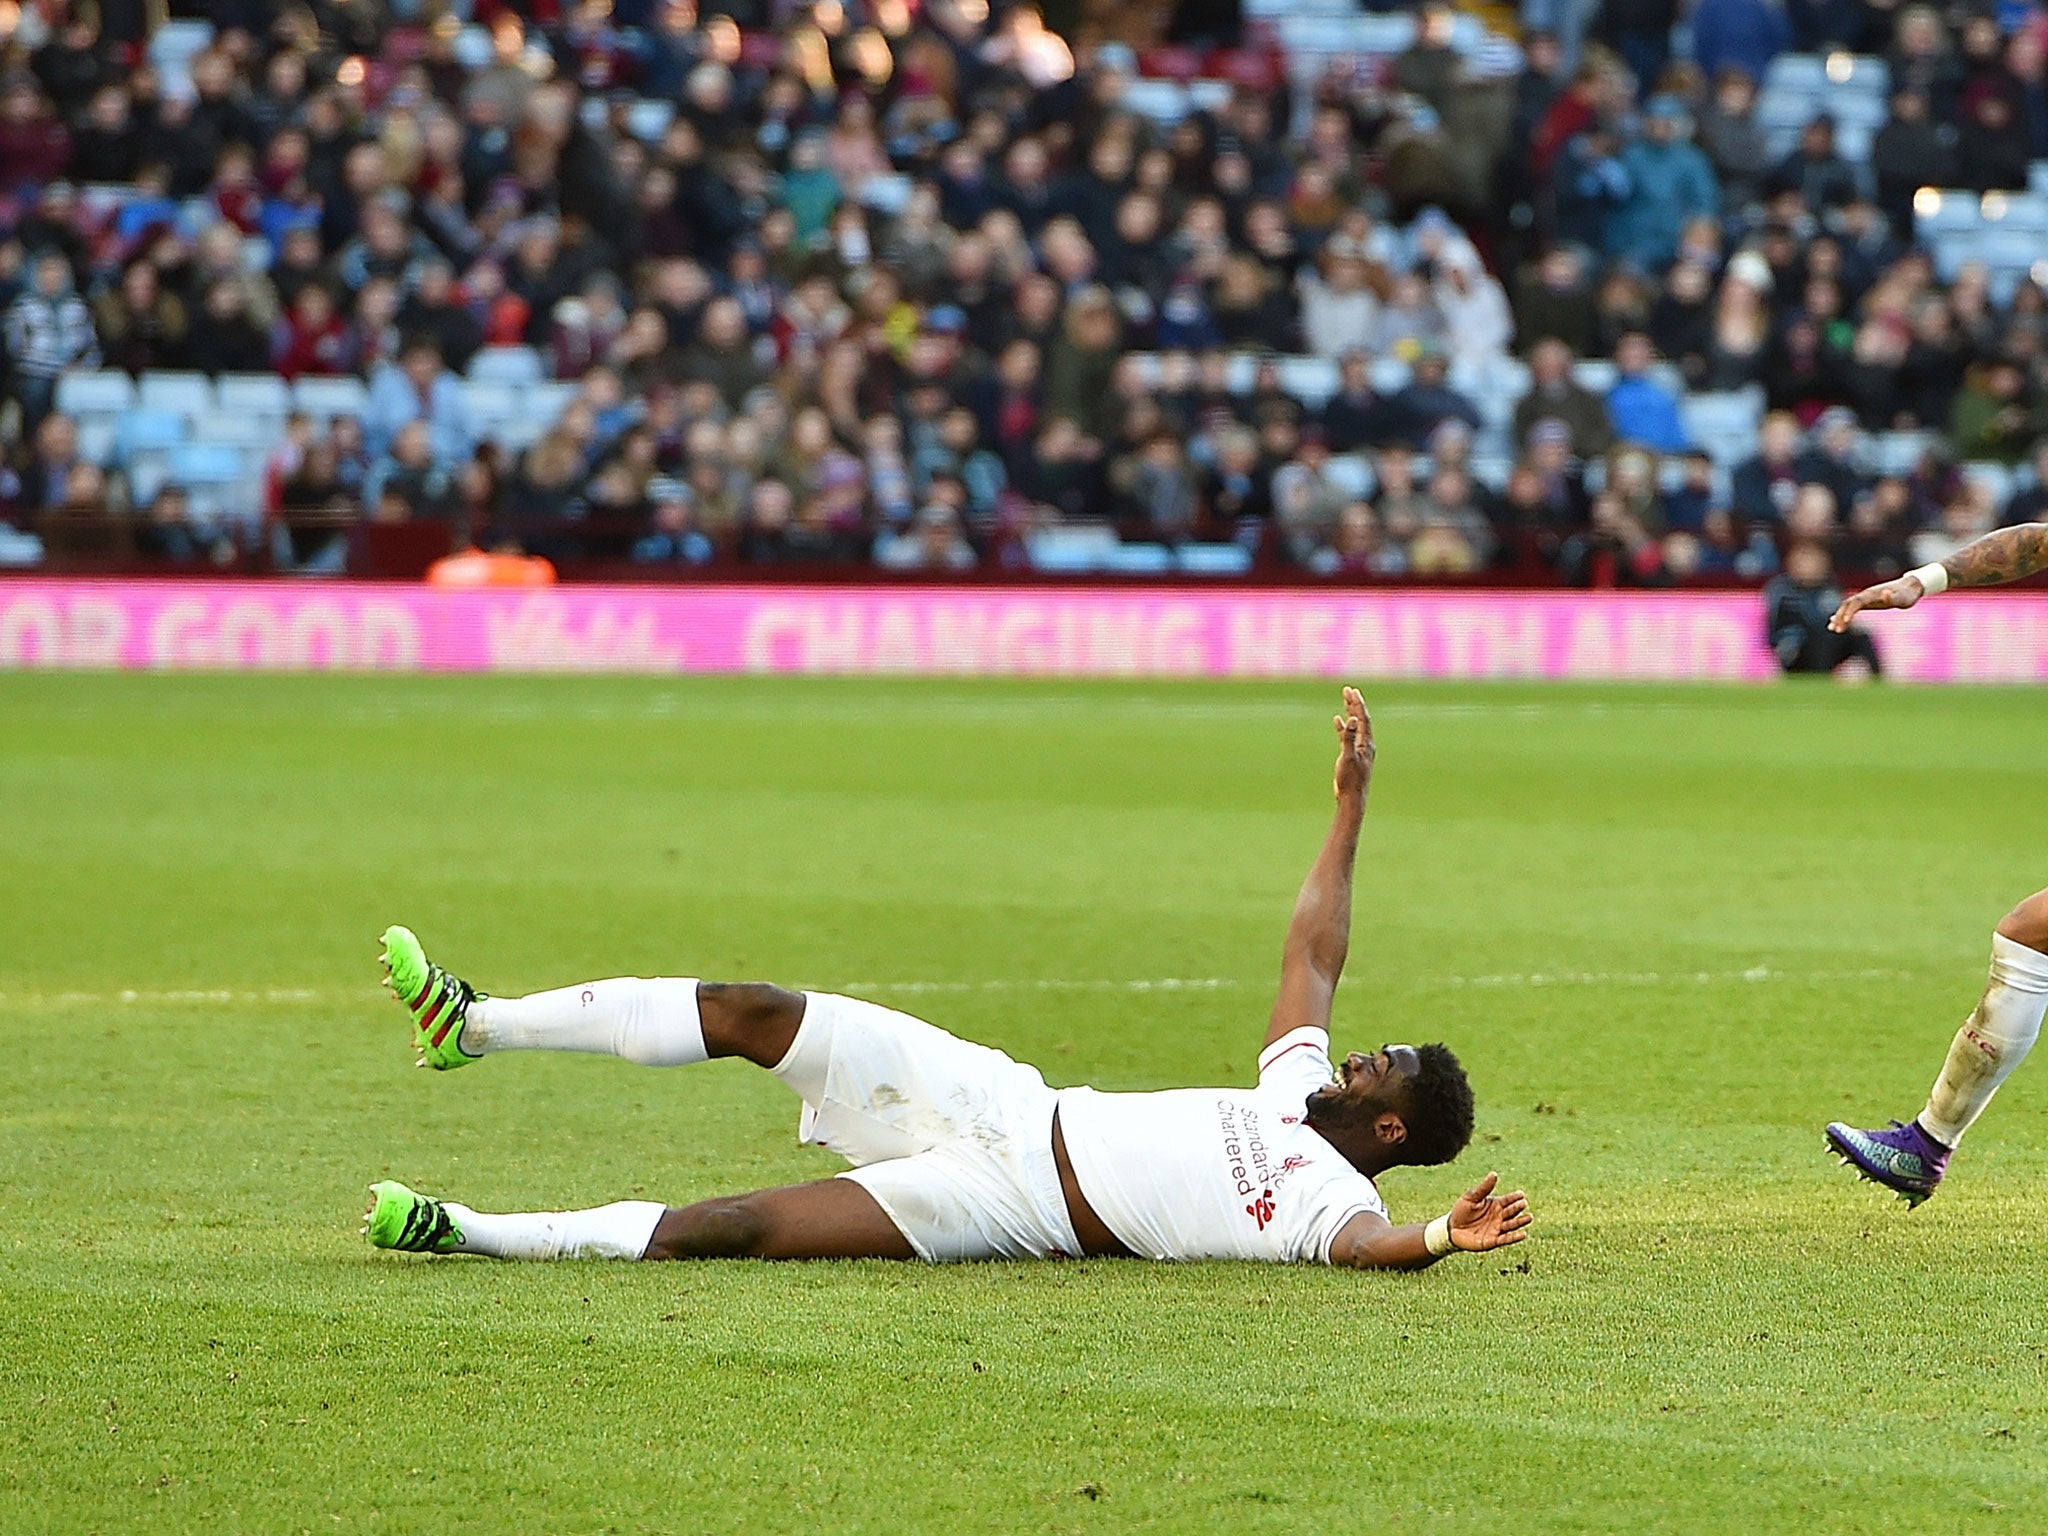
1993	1040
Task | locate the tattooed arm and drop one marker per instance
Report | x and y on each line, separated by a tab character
2006	554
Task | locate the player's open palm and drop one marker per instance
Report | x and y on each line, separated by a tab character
1901	592
1355	749
1482	1220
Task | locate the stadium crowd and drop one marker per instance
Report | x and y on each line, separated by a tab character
871	282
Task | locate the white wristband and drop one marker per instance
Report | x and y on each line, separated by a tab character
1437	1237
1932	577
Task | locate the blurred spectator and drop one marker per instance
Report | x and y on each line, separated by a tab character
1554	395
1797	606
1638	408
418	387
1665	181
47	329
863	274
932	542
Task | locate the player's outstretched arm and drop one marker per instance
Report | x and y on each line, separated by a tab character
1479	1222
1319	935
2005	554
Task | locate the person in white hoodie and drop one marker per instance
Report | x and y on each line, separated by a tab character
1478	326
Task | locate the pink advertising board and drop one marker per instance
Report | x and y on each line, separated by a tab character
1042	631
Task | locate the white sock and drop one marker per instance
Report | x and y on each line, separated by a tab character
621	1230
1993	1040
653	1022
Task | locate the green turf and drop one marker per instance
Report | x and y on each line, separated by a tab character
1671	932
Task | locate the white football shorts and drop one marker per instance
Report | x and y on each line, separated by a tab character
953	1139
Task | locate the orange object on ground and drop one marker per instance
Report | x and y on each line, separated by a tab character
476	568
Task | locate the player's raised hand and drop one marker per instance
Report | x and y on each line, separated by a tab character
1355	748
1900	592
1482	1220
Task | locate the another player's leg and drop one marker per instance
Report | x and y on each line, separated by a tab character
660	1021
1911	1159
827	1219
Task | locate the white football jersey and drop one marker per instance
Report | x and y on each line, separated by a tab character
1219	1173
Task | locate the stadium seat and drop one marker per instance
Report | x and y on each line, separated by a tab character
490	402
1159	101
1309	379
1350	473
206	464
243	429
143	431
186	394
1140	559
254	394
507	365
1213	559
98	434
887	195
325	397
1594	373
1995	479
546	400
1725	422
1071	551
1895	453
1388	374
172	48
80	393
518	432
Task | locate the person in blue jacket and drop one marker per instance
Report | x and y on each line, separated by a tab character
1669	182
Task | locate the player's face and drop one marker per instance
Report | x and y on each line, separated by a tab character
1367	1085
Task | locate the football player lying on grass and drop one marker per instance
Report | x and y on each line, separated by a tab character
959	1152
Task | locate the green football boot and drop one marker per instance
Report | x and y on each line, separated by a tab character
409	1221
438	1002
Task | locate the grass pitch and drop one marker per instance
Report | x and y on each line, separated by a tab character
1671	932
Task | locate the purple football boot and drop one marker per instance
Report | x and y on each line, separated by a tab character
1904	1159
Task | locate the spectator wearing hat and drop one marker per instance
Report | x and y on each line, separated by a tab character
1668	181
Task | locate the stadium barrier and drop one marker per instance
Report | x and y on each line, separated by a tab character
1058	631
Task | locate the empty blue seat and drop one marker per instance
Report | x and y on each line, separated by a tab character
78	393
507	365
186	394
143	431
254	394
326	398
1213	559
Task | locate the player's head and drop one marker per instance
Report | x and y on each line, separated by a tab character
1412	1103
